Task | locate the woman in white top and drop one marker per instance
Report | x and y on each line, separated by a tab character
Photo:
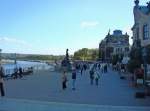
96	77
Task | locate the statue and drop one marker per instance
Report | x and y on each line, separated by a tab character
65	64
136	2
67	55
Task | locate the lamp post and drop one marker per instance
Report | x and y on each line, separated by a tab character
144	54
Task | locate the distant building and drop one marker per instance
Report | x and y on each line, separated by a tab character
141	28
115	44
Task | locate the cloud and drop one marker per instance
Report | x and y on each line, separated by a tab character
129	31
89	24
14	41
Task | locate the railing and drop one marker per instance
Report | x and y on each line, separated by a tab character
10	71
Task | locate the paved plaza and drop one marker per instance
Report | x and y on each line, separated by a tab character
45	86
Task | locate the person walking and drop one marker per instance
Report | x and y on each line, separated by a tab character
99	66
2	82
81	70
96	77
20	72
73	79
64	80
91	75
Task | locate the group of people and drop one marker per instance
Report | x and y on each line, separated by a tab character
119	67
18	73
95	71
81	67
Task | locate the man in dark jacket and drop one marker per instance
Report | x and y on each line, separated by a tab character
92	75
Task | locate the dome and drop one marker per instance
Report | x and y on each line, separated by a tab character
117	32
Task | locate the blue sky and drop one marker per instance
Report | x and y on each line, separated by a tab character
51	26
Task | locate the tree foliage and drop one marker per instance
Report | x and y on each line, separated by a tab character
86	54
135	59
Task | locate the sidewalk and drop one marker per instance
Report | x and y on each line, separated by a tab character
26	105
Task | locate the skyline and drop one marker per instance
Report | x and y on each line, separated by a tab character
52	26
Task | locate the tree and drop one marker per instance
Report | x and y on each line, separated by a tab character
135	59
86	54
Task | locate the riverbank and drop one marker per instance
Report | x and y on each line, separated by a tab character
9	66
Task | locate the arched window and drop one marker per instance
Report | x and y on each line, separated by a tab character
145	32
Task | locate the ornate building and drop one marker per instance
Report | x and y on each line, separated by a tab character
141	28
115	44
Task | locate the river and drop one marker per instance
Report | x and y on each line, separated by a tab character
9	68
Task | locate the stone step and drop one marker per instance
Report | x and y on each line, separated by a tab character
7	104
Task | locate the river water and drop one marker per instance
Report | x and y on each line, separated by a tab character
9	68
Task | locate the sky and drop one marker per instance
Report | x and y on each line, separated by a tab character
52	26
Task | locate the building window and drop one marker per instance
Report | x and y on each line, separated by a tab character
145	32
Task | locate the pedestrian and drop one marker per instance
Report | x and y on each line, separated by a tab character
64	80
105	68
73	79
85	67
20	72
15	74
2	82
102	68
81	70
91	76
96	77
99	66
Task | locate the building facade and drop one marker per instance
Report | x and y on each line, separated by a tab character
114	44
141	28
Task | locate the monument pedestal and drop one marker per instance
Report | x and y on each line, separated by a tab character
65	64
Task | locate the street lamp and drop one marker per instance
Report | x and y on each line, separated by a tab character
144	54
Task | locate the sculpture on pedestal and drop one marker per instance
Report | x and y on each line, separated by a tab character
65	64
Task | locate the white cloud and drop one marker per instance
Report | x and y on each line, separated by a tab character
89	24
14	41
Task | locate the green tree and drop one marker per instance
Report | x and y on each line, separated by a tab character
135	59
86	54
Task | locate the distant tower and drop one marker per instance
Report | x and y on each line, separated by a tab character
109	32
